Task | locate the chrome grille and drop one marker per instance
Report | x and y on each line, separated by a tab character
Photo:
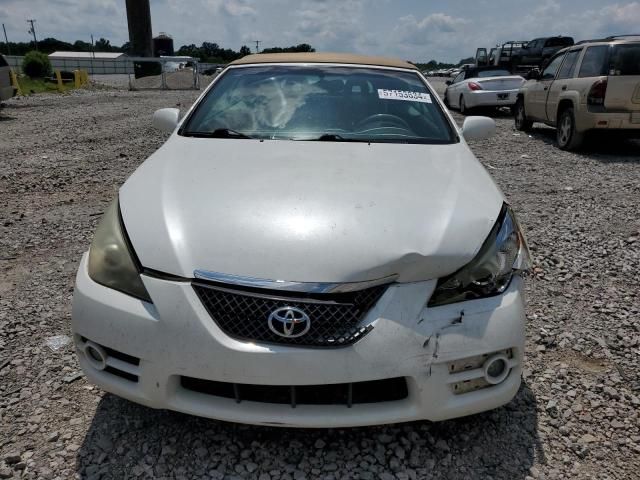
335	317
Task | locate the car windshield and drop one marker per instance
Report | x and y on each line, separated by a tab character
326	103
493	73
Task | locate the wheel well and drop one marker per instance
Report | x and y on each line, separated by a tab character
563	105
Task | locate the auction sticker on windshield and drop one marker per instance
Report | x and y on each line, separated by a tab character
404	95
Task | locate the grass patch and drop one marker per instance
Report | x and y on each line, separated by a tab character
39	85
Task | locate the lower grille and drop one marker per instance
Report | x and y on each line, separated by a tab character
348	394
334	318
109	360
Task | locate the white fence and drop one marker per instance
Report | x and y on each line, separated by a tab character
127	66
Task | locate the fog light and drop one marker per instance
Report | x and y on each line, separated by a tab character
496	369
95	355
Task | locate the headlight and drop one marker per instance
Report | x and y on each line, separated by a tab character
503	254
112	262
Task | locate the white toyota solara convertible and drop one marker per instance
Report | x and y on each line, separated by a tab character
315	245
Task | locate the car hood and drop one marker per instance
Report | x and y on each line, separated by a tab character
309	211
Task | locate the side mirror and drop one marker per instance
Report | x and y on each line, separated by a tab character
533	74
478	128
448	82
166	119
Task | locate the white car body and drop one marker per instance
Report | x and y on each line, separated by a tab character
298	217
493	91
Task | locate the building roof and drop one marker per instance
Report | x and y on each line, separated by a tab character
317	57
98	55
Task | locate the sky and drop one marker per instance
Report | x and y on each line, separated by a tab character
416	30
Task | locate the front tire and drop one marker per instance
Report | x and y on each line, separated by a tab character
523	124
446	99
567	136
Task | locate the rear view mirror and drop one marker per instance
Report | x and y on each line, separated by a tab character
166	119
478	128
448	82
533	74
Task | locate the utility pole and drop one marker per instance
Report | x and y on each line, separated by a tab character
93	54
33	31
258	45
6	40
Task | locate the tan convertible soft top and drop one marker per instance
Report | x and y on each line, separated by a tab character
317	57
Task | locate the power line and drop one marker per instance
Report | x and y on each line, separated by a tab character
33	31
258	42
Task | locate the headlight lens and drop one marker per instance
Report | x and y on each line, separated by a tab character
111	261
503	254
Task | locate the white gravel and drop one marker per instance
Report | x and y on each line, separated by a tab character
62	158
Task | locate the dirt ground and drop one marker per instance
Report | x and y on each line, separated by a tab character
62	159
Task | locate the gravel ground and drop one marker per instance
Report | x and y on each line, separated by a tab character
62	158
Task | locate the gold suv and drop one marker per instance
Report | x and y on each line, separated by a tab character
593	85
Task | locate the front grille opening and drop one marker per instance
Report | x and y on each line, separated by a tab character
348	394
334	318
119	373
122	356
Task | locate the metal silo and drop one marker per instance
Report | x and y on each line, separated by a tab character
162	45
139	20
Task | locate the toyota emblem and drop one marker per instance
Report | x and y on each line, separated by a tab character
289	322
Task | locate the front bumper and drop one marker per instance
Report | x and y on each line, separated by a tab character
488	98
176	337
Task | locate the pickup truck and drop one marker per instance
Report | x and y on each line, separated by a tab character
539	50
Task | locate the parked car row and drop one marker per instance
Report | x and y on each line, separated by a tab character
590	86
443	72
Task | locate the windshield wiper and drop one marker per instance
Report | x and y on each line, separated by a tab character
334	137
217	133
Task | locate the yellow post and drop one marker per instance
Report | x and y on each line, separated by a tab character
14	82
76	78
85	77
59	80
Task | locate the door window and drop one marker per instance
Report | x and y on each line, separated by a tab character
569	65
459	77
549	73
593	62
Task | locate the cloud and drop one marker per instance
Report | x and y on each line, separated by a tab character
410	29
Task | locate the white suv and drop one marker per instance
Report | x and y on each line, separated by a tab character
6	89
591	86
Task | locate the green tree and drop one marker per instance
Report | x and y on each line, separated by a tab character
103	45
36	64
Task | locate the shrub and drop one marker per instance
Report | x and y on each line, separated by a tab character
36	65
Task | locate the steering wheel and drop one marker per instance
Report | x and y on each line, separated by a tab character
384	119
